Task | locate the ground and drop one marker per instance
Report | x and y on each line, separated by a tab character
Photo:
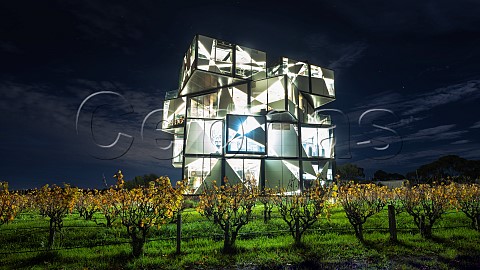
329	245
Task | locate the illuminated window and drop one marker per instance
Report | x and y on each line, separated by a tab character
243	170
205	106
204	136
234	117
282	173
246	134
282	140
199	171
316	142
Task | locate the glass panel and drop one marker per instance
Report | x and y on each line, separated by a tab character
316	142
223	57
246	134
259	96
276	94
214	55
224	102
205	106
178	149
292	99
321	170
329	78
276	69
243	62
165	120
233	100
174	112
239	98
316	71
251	168
282	140
307	111
282	174
246	171
214	133
234	170
204	136
249	62
297	73
322	81
188	64
201	171
259	64
205	45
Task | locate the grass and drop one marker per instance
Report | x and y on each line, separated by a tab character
330	244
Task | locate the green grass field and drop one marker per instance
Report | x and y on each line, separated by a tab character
330	244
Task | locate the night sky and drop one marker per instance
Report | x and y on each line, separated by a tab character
412	68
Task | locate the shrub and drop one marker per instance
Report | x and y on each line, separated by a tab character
55	203
10	203
361	201
144	207
108	203
468	200
301	210
86	205
426	204
267	198
228	206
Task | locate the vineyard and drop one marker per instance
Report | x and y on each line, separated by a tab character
157	226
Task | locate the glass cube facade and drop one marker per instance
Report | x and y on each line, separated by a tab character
233	116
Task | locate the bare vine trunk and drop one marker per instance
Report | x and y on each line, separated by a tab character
298	234
359	231
51	236
227	244
138	242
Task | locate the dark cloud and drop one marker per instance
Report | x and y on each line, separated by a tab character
461	142
422	101
476	125
437	133
442	96
351	54
9	47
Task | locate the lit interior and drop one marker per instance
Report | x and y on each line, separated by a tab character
233	116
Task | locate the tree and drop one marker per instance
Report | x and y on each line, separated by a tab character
468	200
10	204
350	172
268	199
140	181
55	202
380	175
361	201
228	206
86	205
301	210
383	175
144	207
426	204
455	167
108	203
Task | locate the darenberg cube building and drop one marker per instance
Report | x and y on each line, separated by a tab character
234	115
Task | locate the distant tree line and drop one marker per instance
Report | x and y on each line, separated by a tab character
140	181
454	167
449	167
381	175
350	171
